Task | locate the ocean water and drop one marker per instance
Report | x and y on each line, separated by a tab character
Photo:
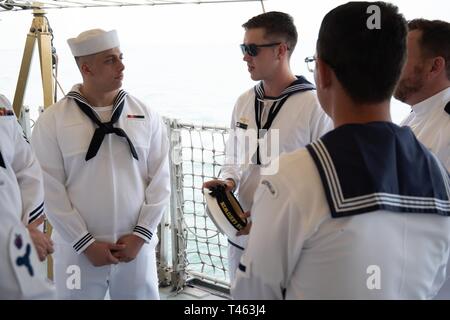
174	81
183	61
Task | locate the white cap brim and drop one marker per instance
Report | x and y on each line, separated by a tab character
218	217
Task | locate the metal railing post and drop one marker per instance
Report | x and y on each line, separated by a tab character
176	179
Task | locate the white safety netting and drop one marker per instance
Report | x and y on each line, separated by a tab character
197	155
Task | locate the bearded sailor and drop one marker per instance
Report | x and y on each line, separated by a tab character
280	114
425	86
104	155
362	213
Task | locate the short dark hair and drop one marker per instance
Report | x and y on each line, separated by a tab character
435	39
367	62
275	24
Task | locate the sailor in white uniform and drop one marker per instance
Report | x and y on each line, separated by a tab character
425	86
29	177
25	166
22	276
348	217
104	155
280	114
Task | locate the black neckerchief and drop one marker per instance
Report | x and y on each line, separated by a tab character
2	162
447	107
299	85
103	128
379	166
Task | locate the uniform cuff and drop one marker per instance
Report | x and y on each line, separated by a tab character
82	243
143	233
36	213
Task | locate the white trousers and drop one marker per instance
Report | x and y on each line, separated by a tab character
135	280
235	251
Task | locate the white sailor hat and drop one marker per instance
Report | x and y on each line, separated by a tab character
93	41
225	211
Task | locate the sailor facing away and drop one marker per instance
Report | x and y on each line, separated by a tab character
105	160
362	213
22	276
425	86
280	114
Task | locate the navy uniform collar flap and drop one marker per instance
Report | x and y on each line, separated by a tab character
379	166
120	97
299	85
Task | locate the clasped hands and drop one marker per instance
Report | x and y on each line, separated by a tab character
126	249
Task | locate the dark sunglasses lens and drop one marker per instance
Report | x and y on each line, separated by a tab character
249	49
252	50
243	48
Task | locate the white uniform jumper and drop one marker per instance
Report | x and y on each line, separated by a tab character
360	214
22	276
103	181
430	122
24	166
295	116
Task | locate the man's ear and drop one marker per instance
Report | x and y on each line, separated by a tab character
282	50
437	67
85	68
323	74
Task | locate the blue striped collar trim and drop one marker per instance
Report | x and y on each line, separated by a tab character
299	85
117	100
432	197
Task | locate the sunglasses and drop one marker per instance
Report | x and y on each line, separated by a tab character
252	49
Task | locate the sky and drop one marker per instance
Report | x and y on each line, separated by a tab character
191	50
